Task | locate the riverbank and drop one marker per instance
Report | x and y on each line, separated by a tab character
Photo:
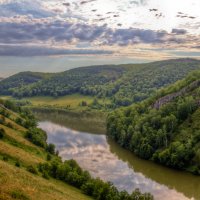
105	159
92	122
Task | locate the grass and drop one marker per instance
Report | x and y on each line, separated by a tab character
16	154
20	154
14	124
16	183
69	101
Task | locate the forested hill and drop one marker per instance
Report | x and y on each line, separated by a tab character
122	84
164	128
20	80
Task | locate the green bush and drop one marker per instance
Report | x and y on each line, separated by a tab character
17	163
48	157
2	133
50	148
37	136
32	169
70	172
5	158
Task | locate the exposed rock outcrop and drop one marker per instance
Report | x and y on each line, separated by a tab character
168	98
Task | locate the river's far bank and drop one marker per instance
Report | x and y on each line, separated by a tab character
88	121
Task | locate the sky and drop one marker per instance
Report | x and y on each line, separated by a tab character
55	35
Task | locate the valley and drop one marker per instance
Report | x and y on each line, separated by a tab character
99	100
107	118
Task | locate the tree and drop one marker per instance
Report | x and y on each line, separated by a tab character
51	148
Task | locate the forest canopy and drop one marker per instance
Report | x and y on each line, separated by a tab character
168	134
122	84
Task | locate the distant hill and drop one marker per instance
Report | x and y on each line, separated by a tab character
122	84
164	128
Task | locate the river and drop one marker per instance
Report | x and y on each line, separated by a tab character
84	140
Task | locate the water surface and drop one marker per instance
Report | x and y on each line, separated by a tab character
105	159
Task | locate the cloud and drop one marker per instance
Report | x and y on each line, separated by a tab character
25	7
63	31
44	31
26	51
133	36
179	31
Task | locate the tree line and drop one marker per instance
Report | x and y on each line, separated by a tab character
158	134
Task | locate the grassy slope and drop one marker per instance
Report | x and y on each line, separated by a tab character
28	186
71	102
18	182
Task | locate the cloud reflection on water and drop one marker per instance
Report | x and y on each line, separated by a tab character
93	153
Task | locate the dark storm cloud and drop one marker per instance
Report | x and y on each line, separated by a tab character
60	31
10	50
133	36
179	31
56	31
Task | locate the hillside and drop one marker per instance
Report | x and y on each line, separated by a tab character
17	154
164	128
122	85
21	79
30	169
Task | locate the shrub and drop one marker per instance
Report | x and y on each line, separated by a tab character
5	158
19	121
2	133
32	169
37	137
17	163
45	175
48	157
50	148
70	172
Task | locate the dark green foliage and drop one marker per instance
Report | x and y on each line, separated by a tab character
22	79
45	175
32	169
49	157
4	113
70	172
177	155
2	133
122	84
154	133
19	121
50	148
5	158
37	137
17	163
26	118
